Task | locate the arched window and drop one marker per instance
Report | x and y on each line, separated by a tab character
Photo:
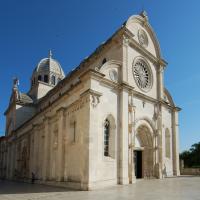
104	61
53	80
46	79
167	143
106	137
39	78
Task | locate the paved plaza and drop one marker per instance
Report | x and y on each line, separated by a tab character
181	188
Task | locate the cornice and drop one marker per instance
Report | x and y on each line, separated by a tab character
61	109
167	105
152	100
145	97
91	73
125	85
109	83
91	92
177	109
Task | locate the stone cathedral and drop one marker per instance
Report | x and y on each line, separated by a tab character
109	121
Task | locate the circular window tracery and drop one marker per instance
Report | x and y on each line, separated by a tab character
142	75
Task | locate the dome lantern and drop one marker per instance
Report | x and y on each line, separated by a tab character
48	71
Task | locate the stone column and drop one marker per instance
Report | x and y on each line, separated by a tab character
123	138
60	163
45	150
175	142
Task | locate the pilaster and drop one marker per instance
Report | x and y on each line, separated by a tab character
160	85
175	143
60	156
35	147
159	145
12	160
131	110
92	137
46	149
123	138
8	160
125	59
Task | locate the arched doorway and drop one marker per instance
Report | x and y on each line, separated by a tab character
143	152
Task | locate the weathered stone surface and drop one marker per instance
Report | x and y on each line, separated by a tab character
61	137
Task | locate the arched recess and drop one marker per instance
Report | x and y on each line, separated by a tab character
109	136
145	142
112	70
147	121
110	64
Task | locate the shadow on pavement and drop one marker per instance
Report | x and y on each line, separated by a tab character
9	187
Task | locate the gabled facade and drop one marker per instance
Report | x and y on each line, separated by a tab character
109	121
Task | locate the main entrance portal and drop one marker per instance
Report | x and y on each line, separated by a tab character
138	163
144	153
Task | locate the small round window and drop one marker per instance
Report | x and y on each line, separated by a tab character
142	74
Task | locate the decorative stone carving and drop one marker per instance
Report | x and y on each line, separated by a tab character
98	68
156	112
130	108
16	93
130	126
94	100
113	75
77	105
143	38
126	40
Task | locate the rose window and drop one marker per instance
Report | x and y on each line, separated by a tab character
142	75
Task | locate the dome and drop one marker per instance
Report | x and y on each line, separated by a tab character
48	71
49	65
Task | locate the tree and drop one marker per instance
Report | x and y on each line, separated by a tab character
192	157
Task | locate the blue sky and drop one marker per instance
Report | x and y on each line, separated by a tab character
74	28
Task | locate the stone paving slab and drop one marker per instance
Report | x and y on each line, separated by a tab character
182	188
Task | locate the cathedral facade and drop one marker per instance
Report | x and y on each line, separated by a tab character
109	121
